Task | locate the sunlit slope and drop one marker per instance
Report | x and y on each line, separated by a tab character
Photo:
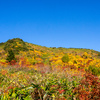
18	44
29	71
35	54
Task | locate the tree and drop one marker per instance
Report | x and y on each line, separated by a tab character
10	56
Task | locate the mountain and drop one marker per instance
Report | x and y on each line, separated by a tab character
33	72
36	54
17	45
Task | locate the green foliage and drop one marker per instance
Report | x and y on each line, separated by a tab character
10	56
45	56
65	58
94	70
1	78
45	80
12	44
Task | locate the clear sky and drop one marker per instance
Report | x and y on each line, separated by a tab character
52	23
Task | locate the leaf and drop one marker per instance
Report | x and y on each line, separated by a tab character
27	98
14	94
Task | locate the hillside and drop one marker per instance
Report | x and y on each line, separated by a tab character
39	53
33	72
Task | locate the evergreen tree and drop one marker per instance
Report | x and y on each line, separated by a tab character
10	56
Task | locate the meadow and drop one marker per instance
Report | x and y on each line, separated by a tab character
33	72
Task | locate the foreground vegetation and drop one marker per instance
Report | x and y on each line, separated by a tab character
32	72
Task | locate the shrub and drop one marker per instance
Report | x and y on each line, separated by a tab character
94	70
89	88
65	58
10	56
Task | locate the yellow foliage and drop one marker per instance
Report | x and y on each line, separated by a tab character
2	60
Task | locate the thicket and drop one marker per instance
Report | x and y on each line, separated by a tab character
94	70
11	56
12	44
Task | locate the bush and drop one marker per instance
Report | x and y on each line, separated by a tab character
94	70
89	88
10	56
65	58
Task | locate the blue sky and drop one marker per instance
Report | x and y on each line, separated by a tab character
52	23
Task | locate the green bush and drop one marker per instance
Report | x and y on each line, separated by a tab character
65	58
10	56
94	70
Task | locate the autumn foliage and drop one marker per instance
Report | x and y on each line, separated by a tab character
32	72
